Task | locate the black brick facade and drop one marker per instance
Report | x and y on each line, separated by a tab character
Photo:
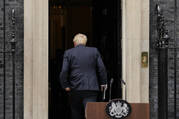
171	14
6	59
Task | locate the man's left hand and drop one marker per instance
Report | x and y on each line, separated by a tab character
104	87
67	89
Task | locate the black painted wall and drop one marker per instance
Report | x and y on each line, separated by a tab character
6	59
171	13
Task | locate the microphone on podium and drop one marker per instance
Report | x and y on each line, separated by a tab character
111	81
110	88
104	93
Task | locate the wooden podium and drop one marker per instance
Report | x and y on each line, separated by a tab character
96	110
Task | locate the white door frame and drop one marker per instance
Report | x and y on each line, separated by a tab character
35	59
135	39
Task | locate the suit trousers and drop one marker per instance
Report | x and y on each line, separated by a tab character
79	100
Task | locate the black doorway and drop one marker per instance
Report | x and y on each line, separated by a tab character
100	20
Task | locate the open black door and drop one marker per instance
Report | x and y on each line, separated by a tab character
100	20
107	38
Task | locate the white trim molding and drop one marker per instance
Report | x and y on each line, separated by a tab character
35	59
135	40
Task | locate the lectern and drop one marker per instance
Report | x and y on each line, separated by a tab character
96	110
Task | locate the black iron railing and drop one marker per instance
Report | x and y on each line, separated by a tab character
162	46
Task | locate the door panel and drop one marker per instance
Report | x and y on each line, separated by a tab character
107	38
100	20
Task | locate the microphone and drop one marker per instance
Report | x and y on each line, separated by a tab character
110	89
123	81
111	81
104	93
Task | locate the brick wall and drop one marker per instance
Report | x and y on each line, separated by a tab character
6	80
1	59
171	15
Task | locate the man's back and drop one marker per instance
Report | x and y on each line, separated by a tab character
83	64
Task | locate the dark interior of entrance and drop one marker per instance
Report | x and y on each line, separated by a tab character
100	20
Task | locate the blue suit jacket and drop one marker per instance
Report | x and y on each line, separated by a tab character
83	69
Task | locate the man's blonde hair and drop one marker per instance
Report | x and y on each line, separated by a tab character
80	39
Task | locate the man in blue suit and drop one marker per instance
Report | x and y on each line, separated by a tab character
83	75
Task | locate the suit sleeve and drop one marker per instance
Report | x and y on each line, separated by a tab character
101	70
64	72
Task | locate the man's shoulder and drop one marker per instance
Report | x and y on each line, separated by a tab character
69	50
92	48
